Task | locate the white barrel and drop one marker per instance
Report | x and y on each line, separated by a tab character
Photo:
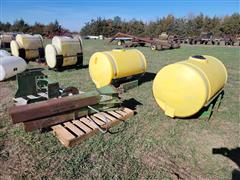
27	46
11	66
64	51
4	53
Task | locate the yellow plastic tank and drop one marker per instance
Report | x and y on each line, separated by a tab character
118	63
64	51
27	46
183	88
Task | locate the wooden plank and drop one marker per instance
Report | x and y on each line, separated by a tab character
63	135
52	107
129	112
109	116
121	113
49	121
115	114
102	117
88	123
99	122
82	126
74	129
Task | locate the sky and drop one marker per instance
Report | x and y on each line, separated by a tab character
73	14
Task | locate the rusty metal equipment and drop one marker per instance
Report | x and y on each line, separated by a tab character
154	43
58	110
229	40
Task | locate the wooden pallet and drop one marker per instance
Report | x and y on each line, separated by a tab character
75	131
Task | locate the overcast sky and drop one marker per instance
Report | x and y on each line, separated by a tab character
73	14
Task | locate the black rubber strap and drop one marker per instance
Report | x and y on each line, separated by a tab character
22	53
59	63
41	52
79	59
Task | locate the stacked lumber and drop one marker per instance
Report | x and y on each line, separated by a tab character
46	113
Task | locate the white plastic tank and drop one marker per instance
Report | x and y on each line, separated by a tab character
4	53
11	66
64	51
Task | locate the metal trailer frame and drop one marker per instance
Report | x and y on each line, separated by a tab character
154	43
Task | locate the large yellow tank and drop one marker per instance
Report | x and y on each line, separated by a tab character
183	88
118	63
64	51
28	46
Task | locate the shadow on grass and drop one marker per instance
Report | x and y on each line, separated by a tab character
148	76
141	78
70	68
234	155
131	103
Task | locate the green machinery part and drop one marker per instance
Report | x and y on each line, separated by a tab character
33	82
213	105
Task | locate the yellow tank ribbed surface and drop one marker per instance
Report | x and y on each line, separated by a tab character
109	65
183	88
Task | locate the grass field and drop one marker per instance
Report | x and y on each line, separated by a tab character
151	146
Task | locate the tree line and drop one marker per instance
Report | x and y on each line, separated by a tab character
185	27
190	26
51	29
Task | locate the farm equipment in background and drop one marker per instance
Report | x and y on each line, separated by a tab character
229	40
164	42
209	38
204	38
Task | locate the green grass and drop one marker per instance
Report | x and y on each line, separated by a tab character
151	146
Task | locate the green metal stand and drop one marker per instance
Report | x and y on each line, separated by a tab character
212	106
129	85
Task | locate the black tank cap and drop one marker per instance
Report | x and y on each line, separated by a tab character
199	57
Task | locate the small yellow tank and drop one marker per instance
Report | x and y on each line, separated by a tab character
183	88
118	63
